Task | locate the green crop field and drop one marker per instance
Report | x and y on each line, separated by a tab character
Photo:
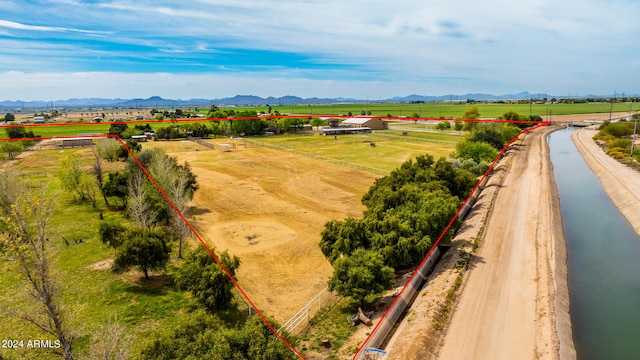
450	110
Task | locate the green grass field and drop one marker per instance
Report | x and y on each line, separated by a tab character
391	147
451	110
92	294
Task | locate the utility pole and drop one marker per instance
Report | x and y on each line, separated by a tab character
635	124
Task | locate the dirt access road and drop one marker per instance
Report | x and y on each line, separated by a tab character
514	303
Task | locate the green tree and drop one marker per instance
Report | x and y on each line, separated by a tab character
12	148
445	125
112	234
201	275
9	117
75	180
458	125
116	185
19	132
511	115
490	135
470	114
344	237
361	274
204	336
315	122
478	151
118	129
143	248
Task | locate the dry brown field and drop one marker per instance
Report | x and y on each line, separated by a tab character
269	207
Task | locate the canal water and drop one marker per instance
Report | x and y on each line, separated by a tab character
603	260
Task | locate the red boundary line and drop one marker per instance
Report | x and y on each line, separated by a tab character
299	116
195	233
446	229
215	258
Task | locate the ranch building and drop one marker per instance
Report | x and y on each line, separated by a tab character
72	142
373	123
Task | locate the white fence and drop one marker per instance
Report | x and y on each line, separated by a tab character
305	314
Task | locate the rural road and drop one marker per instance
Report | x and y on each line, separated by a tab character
514	303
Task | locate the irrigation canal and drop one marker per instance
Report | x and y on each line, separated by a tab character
603	259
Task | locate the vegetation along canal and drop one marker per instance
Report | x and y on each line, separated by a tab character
603	259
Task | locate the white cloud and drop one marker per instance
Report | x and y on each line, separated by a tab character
499	44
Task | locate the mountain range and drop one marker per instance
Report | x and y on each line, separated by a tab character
248	100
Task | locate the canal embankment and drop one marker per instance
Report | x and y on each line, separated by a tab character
621	183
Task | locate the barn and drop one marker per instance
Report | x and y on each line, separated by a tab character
72	142
373	123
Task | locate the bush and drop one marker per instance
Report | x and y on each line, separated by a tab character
618	129
624	144
618	153
478	151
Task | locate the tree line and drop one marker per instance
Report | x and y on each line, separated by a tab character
406	211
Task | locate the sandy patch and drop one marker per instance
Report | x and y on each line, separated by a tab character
101	265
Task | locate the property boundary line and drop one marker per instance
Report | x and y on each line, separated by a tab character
382	329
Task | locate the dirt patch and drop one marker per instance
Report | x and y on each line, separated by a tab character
101	265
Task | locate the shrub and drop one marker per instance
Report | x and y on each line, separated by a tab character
478	151
624	144
618	129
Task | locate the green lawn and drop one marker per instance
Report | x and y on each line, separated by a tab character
92	296
390	151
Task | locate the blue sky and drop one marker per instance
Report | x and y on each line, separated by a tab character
368	49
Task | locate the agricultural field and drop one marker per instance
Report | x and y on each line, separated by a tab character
265	205
451	110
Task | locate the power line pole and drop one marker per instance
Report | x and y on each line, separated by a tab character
635	124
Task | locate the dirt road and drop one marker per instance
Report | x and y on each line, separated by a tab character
514	304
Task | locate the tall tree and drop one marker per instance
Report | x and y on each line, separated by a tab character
25	212
138	206
98	173
145	249
206	280
74	179
361	274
